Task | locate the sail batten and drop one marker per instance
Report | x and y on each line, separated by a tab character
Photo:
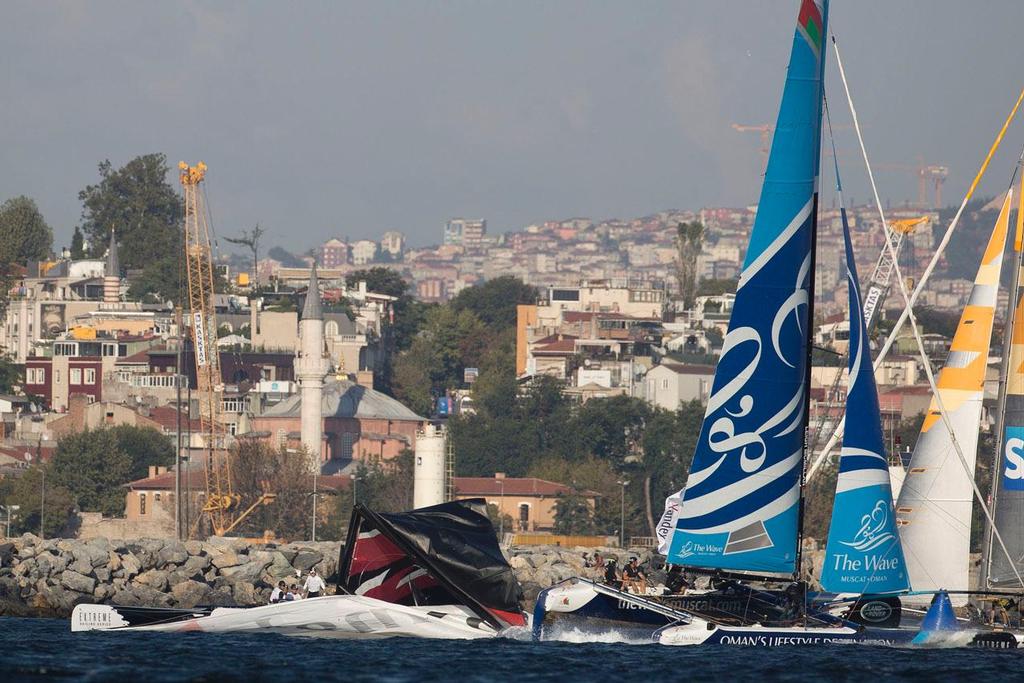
936	499
740	507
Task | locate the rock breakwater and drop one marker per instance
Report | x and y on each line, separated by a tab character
48	578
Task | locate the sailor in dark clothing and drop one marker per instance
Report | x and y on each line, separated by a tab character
633	577
611	574
676	581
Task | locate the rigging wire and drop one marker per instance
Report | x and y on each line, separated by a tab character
838	432
910	299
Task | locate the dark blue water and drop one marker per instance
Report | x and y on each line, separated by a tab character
38	649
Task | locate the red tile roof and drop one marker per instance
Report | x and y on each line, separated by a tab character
167	417
512	486
686	369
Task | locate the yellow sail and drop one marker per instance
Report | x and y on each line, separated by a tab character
934	506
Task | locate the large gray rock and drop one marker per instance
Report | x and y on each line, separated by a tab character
196	564
172	553
245	595
130	566
250	572
306	559
228	558
191	593
94	554
142	596
154	578
79	583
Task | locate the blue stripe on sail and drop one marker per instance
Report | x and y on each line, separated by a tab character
852	463
733	516
863	553
755	501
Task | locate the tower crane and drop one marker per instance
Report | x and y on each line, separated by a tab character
222	504
874	296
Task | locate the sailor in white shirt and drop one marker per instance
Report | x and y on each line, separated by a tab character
277	595
314	585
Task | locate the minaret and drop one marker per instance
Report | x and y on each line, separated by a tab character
112	274
311	365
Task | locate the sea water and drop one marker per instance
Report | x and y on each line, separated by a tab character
44	649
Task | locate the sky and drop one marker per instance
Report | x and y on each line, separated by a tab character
342	119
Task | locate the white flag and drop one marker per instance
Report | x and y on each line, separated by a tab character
667	523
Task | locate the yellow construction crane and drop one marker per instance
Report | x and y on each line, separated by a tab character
222	504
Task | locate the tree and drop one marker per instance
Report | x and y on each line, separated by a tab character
77	244
495	301
94	468
689	242
716	287
24	234
26	491
250	240
145	447
139	203
11	374
258	468
573	515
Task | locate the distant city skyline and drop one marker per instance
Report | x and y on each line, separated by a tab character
323	120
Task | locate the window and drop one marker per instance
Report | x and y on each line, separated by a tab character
156	497
75	376
90	376
664	384
56	376
232	428
142	503
524	516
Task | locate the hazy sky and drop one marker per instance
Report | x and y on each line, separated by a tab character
349	119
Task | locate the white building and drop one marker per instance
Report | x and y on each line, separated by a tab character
363	252
671	384
393	242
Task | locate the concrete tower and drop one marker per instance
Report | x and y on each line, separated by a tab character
311	366
112	274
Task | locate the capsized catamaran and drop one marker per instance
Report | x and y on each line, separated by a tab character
435	572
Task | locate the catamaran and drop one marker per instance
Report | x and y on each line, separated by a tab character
741	508
435	572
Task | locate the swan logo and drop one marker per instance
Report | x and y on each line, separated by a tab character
685	551
1013	459
874	530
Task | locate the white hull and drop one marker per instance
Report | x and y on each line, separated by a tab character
336	616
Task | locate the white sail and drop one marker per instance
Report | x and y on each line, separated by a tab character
936	499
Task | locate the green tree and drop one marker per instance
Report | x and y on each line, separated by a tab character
77	244
26	491
494	302
146	211
144	446
689	243
24	234
11	374
94	468
713	287
573	515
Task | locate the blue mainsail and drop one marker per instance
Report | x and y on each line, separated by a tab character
741	503
863	553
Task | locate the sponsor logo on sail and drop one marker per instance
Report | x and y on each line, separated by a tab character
874	529
1013	459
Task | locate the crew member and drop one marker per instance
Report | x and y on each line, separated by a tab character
611	574
634	579
314	585
277	595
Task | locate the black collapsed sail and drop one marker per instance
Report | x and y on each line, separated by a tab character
440	555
